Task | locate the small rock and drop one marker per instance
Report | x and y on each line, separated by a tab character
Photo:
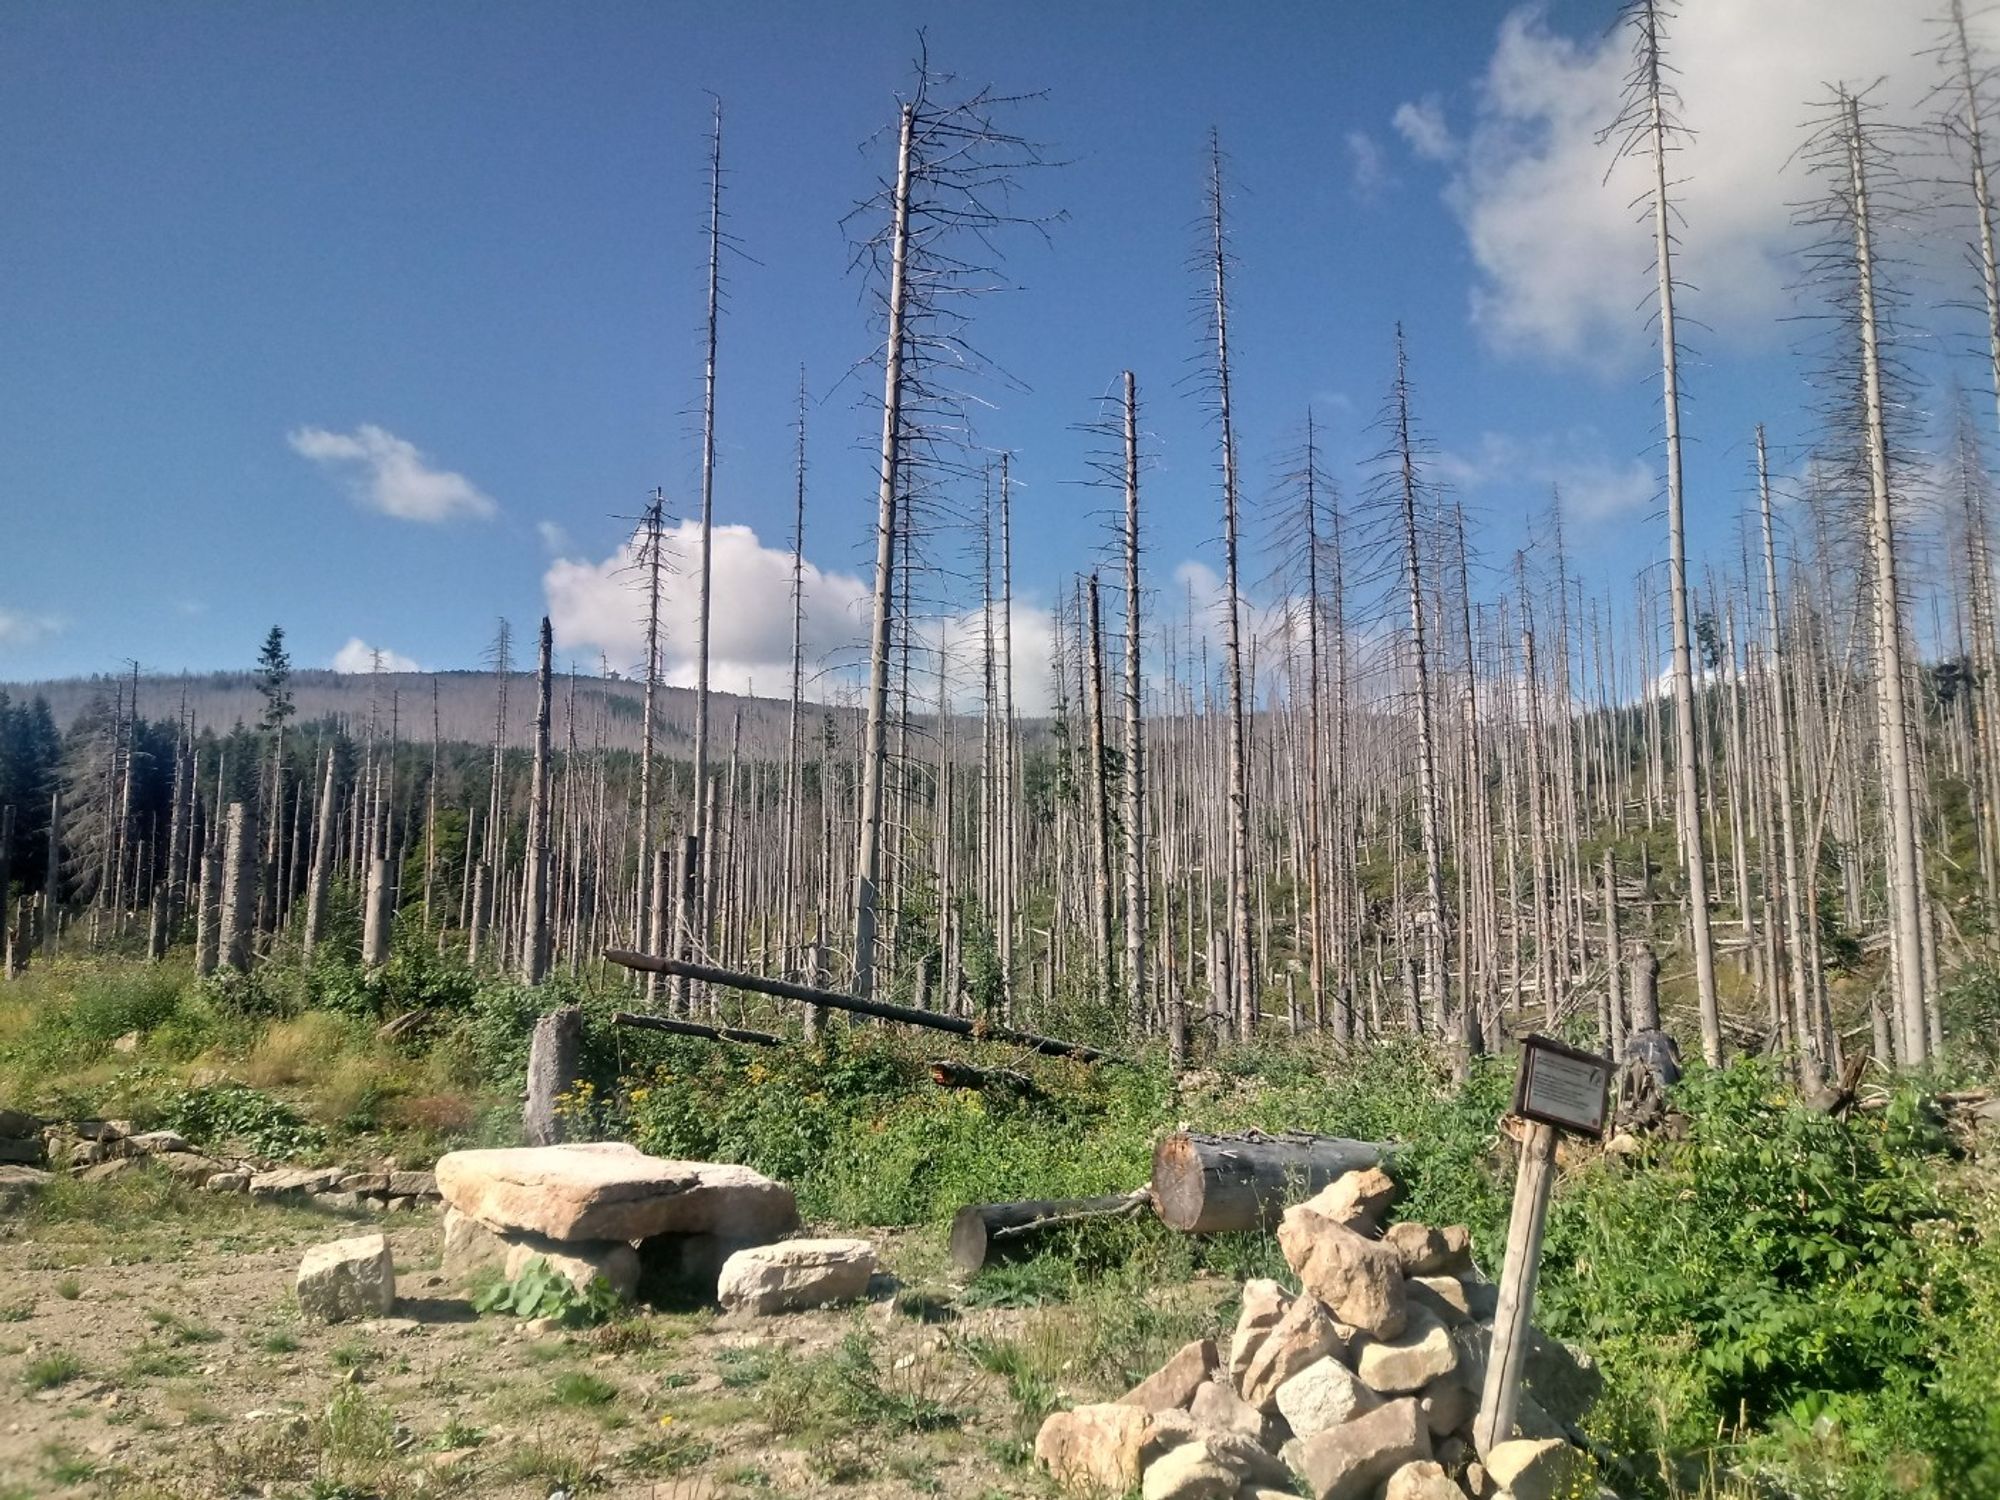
227	1182
412	1185
1217	1408
1422	1352
127	1043
1264	1302
338	1201
1359	1280
18	1184
188	1166
18	1125
1422	1480
795	1274
1357	1199
364	1182
1173	1385
1347	1462
1167	1430
1540	1469
1190	1472
398	1203
1248	1458
156	1143
1448	1406
293	1182
1093	1447
104	1171
23	1151
1421	1248
347	1279
1302	1336
1324	1394
537	1328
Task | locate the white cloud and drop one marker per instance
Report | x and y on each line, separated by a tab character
389	474
1594	485
1421	123
1563	263
20	629
601	605
555	540
1366	170
358	656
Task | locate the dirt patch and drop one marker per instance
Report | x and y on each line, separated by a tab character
163	1356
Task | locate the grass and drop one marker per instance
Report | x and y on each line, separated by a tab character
581	1388
69	1289
17	1312
47	1371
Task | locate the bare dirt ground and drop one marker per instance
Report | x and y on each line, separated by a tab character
151	1350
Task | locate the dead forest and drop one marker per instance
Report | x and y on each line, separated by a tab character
1391	784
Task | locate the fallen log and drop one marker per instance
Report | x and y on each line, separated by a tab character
949	1073
783	989
695	1028
984	1233
1210	1184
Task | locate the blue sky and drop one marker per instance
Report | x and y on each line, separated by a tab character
251	255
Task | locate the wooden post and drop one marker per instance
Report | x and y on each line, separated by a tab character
1513	1320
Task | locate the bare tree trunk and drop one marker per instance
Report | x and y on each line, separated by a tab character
868	857
238	893
1134	787
535	891
697	921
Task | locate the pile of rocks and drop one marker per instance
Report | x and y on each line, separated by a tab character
93	1150
1364	1386
607	1209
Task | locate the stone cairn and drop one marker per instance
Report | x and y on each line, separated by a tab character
1364	1386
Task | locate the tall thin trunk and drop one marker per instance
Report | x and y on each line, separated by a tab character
1134	787
535	890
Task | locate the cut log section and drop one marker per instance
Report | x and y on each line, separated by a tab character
695	1028
985	1233
1211	1184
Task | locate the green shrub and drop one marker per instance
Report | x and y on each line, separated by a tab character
541	1291
234	1114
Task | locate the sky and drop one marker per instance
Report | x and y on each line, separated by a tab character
373	320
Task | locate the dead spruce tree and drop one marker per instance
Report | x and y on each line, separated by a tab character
535	914
1858	174
1647	130
1243	998
956	170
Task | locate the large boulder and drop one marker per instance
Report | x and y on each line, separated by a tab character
1324	1394
794	1275
1359	1280
1093	1449
1348	1462
612	1191
347	1279
1173	1385
470	1247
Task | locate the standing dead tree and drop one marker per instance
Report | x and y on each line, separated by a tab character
956	171
1647	129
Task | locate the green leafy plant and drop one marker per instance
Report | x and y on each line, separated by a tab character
229	1113
541	1291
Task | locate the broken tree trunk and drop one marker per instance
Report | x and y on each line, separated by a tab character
949	1073
978	1030
983	1233
1209	1184
695	1028
554	1056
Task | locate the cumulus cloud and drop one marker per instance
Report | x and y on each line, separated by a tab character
358	656
389	474
1421	124
18	628
1562	265
555	540
601	605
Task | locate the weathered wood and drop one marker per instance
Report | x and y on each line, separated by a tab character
978	1030
983	1233
1513	1319
695	1028
949	1073
1210	1184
